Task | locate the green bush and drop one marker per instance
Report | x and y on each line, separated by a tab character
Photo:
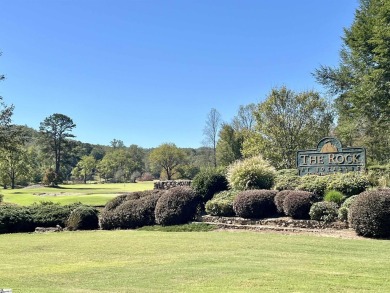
314	184
324	211
255	203
83	218
343	214
287	182
347	203
287	172
287	179
297	204
221	204
209	181
334	196
131	210
344	209
369	214
176	206
49	214
349	184
251	173
379	175
15	219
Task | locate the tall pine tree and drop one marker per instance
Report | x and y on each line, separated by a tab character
361	82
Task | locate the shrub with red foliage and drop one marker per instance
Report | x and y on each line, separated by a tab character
297	204
257	203
177	205
279	200
369	213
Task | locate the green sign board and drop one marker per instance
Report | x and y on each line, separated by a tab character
330	157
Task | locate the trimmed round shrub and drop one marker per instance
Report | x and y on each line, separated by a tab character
177	206
349	184
251	173
344	209
110	220
222	204
297	204
130	211
347	203
279	199
334	196
138	212
324	211
255	203
14	219
115	202
83	218
369	214
209	181
314	184
120	199
343	214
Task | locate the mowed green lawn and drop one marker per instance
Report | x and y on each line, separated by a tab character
91	194
149	261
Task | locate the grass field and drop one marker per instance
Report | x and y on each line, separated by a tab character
92	194
150	261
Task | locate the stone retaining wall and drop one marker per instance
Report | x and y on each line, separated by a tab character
167	184
276	222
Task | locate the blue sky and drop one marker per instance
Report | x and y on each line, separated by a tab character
148	72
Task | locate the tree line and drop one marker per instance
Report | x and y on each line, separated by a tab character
52	156
357	112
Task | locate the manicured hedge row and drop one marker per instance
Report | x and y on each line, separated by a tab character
14	218
175	206
347	183
131	210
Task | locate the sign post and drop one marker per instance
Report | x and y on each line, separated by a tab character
330	157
